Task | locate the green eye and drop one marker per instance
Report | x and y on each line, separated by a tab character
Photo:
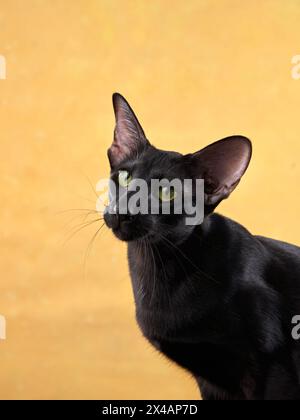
124	178
167	194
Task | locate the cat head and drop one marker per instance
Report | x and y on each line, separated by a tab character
221	165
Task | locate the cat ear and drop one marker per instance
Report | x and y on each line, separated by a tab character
221	165
129	137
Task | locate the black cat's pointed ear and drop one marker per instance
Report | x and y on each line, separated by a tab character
129	137
221	165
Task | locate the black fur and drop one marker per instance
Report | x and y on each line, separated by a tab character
215	299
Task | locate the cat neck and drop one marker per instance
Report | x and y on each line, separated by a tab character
159	270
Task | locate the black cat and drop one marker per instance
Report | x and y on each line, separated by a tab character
213	298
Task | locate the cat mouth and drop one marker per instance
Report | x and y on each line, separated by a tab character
127	229
128	235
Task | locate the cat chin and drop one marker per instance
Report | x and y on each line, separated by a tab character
136	237
128	236
150	238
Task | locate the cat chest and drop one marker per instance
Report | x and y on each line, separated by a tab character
155	322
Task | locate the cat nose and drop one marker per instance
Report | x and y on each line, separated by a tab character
111	218
116	220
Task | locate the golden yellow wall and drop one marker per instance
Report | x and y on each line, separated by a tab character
195	71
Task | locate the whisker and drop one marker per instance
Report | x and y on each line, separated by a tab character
84	225
78	216
164	273
188	259
70	210
89	248
91	185
85	222
155	271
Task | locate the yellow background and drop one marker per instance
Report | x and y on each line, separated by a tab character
195	71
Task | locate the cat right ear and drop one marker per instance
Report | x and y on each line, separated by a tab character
221	165
129	137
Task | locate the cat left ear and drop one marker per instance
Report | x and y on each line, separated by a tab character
129	137
221	165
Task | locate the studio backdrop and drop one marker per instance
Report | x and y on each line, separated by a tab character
196	71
